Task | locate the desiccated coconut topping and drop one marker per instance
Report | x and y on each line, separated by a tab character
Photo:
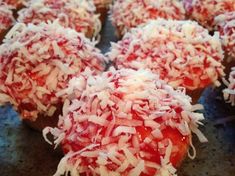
37	62
6	16
181	52
77	14
225	24
125	123
204	11
126	14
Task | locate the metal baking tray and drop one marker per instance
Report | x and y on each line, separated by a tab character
23	152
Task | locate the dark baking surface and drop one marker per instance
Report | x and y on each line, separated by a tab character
23	152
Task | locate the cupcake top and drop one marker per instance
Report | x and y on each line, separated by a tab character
38	61
126	14
125	122
6	16
229	92
181	52
225	24
204	11
76	14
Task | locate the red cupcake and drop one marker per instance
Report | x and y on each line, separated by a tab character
125	122
229	92
181	52
126	14
37	63
204	11
6	19
76	14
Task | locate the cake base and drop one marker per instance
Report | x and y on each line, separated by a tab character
195	94
43	121
228	63
103	13
3	34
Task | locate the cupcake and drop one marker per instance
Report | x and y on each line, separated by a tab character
126	14
225	24
102	7
37	63
181	52
76	14
204	11
126	122
6	19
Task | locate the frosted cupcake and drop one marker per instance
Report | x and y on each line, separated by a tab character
181	52
204	11
126	14
126	122
37	63
76	14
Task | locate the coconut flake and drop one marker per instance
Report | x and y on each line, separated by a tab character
123	129
138	169
130	157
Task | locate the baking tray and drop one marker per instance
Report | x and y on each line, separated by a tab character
23	152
